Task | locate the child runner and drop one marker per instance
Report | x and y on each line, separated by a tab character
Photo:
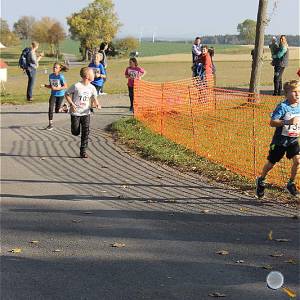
286	119
99	72
133	72
58	85
82	96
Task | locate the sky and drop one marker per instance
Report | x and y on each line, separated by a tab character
168	18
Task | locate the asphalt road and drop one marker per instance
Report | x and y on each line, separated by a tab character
168	226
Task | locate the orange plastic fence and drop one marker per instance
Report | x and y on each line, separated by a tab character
227	127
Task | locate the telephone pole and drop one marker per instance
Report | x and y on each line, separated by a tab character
259	47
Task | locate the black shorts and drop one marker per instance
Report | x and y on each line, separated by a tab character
277	152
98	88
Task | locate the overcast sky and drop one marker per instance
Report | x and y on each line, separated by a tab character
167	18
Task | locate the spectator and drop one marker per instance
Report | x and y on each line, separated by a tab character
133	72
33	63
280	62
103	49
196	52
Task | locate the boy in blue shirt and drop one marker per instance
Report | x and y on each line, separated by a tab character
99	71
286	120
58	85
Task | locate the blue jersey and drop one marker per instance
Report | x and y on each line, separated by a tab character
98	69
57	81
287	134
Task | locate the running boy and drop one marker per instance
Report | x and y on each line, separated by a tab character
286	119
133	72
58	85
82	96
99	72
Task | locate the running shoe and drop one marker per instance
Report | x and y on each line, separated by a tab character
291	187
260	187
49	127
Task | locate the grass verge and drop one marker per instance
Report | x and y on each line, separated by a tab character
154	147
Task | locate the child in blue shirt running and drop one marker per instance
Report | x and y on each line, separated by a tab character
286	120
99	71
58	86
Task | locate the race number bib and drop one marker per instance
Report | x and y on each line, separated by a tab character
133	74
55	83
291	130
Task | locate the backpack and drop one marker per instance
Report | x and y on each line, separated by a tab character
23	60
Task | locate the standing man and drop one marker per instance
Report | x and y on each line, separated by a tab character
196	52
32	65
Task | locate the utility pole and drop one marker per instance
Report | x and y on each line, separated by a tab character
259	47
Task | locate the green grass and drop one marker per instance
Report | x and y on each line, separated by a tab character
164	48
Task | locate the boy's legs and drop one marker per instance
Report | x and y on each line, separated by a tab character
75	125
85	130
293	153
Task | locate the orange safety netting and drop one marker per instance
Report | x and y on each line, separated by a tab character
228	127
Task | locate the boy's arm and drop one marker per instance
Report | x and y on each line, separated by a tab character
70	101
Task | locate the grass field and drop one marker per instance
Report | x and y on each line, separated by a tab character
230	73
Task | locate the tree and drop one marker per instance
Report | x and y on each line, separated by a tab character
56	34
247	31
259	46
8	38
126	45
40	29
93	24
23	27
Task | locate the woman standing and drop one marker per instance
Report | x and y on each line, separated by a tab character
280	62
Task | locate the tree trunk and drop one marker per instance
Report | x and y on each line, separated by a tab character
259	47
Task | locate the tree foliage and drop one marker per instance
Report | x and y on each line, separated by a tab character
23	27
8	38
247	31
96	23
48	31
126	45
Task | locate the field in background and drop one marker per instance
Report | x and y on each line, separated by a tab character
233	70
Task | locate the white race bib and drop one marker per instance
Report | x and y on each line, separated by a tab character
55	82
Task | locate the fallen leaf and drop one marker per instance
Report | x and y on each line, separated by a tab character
159	177
15	250
151	201
223	252
205	211
267	267
270	235
194	168
276	254
289	292
124	187
240	261
291	261
34	242
217	295
57	250
42	158
244	209
76	221
103	191
118	245
282	240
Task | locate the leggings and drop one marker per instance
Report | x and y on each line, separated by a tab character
57	101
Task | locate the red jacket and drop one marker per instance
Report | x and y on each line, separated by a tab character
207	64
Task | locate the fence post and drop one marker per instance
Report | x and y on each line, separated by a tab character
161	109
192	118
254	142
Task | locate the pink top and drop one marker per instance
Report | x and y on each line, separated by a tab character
134	73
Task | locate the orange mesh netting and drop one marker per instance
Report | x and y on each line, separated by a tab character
227	127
